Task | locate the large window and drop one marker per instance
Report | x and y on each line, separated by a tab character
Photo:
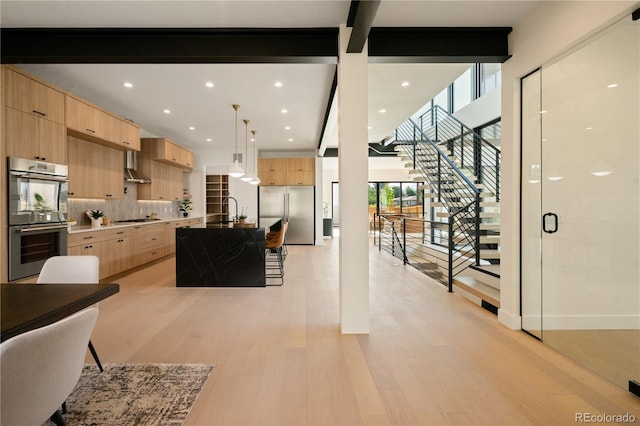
462	90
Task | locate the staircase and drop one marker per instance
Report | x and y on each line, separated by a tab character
461	175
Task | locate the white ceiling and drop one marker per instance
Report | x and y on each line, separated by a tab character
306	87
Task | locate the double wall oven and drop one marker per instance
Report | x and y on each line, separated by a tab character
37	214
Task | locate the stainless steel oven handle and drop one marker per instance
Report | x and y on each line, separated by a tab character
56	178
42	228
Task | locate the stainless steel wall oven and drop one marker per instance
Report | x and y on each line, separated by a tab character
37	214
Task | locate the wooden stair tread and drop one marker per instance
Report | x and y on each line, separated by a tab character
478	288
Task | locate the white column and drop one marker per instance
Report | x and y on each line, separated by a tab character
353	165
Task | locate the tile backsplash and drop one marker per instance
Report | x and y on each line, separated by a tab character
127	208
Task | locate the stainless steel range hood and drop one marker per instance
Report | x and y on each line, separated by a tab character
130	172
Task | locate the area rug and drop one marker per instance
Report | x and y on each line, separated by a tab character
135	394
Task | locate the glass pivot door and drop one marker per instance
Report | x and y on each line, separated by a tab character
580	286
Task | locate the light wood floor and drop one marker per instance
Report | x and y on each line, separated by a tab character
432	358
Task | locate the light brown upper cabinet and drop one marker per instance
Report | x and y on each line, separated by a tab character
272	171
169	152
33	97
95	170
286	171
301	171
165	175
34	116
91	123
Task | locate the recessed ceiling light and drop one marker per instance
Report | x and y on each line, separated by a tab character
283	110
588	128
287	128
278	84
405	84
369	127
544	111
382	111
611	86
167	111
128	85
191	128
208	139
290	140
208	84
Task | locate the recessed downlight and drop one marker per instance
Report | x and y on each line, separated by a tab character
284	110
287	128
128	84
191	128
208	84
370	128
588	128
612	85
208	139
382	111
278	84
544	111
167	111
405	84
290	140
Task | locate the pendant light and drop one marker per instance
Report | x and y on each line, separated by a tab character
235	170
247	176
256	179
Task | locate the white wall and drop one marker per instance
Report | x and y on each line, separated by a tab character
548	31
481	111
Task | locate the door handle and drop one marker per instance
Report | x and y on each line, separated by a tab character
551	219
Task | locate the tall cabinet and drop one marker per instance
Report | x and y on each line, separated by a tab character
216	191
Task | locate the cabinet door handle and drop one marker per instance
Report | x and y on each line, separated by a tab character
87	238
126	143
90	130
39	113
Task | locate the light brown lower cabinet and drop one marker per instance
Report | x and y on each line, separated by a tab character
152	238
123	248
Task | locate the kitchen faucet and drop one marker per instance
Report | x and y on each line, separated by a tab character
229	197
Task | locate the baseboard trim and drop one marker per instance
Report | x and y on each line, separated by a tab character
513	322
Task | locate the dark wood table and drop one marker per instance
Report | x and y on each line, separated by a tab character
24	307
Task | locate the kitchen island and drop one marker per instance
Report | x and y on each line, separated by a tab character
220	257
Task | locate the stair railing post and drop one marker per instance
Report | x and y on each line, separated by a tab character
393	240
439	180
434	115
404	241
461	147
477	220
497	176
450	263
414	153
379	232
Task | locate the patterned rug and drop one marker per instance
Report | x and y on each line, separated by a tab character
135	394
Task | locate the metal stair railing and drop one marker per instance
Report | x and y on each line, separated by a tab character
474	153
451	187
422	244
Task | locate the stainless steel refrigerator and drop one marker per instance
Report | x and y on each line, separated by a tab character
295	204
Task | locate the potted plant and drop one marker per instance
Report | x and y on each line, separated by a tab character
96	217
185	207
243	215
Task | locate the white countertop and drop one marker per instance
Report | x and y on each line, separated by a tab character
76	229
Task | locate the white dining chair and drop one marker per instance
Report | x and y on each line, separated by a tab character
40	368
72	270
